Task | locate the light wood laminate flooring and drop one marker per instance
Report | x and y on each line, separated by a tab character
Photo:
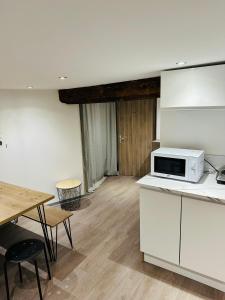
106	263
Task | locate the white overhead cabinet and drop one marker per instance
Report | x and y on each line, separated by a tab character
193	87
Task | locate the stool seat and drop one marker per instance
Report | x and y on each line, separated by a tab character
24	250
68	184
53	215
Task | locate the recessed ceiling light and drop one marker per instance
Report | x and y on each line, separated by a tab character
29	87
181	63
63	77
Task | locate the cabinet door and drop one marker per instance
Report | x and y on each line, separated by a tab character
160	224
203	237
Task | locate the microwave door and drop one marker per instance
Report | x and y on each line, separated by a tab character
170	166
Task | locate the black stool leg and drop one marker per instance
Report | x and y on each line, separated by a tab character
68	232
20	272
47	264
38	279
6	280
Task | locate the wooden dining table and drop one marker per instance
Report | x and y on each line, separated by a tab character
16	200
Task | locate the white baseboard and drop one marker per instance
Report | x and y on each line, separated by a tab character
219	285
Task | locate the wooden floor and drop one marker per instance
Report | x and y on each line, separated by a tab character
106	262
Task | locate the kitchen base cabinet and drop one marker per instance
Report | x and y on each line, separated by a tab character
160	224
203	237
184	235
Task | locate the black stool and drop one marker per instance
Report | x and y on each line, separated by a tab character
24	251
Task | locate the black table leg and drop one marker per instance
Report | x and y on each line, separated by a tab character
41	212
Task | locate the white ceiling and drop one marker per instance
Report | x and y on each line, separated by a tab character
103	41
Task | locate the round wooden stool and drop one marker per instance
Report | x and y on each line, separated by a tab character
69	193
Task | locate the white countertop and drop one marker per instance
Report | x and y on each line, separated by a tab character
207	188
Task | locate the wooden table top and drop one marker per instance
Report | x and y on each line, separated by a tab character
15	201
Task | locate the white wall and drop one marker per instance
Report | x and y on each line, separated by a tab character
195	129
41	139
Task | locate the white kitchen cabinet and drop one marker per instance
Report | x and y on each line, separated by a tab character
160	224
203	238
193	87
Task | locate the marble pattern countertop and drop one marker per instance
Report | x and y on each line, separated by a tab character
206	189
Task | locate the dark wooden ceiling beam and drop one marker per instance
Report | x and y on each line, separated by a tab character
128	90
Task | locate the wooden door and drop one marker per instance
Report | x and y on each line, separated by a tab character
136	130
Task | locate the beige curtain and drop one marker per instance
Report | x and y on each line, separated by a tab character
98	123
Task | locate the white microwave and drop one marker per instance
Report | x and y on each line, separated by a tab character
182	164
